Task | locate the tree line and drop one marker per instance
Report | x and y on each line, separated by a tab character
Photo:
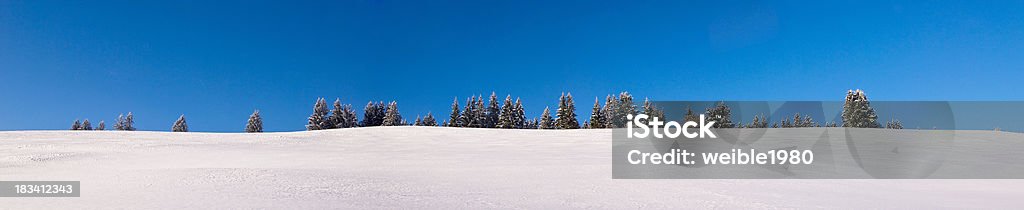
510	114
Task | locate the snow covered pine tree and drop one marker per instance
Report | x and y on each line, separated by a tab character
857	111
455	117
392	117
507	112
519	115
129	122
255	124
180	125
318	120
86	125
545	120
493	112
566	113
596	117
721	114
429	120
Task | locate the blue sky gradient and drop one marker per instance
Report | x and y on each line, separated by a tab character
217	61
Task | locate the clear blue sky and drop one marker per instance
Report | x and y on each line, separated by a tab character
217	61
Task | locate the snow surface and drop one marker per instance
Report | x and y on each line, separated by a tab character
421	167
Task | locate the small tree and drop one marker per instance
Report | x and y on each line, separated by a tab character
101	126
481	113
596	117
832	124
806	121
77	125
455	117
545	120
119	122
857	111
255	124
470	116
429	120
690	115
392	117
894	124
760	121
318	120
351	120
609	110
373	114
505	120
493	112
721	115
566	113
180	125
652	110
617	108
86	125
337	118
519	116
129	122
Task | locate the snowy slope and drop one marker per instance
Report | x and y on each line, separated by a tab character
420	167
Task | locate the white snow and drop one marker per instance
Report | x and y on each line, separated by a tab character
420	167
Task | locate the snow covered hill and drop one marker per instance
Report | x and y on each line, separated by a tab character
420	167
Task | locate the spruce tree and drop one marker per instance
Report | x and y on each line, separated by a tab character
857	111
455	116
119	122
101	126
86	125
429	120
596	117
392	117
369	113
469	114
652	110
493	112
507	113
894	124
255	124
129	122
831	124
566	113
519	115
690	115
77	125
754	123
418	122
350	118
318	120
807	121
609	110
337	117
721	115
180	125
373	114
759	122
545	120
481	113
623	106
